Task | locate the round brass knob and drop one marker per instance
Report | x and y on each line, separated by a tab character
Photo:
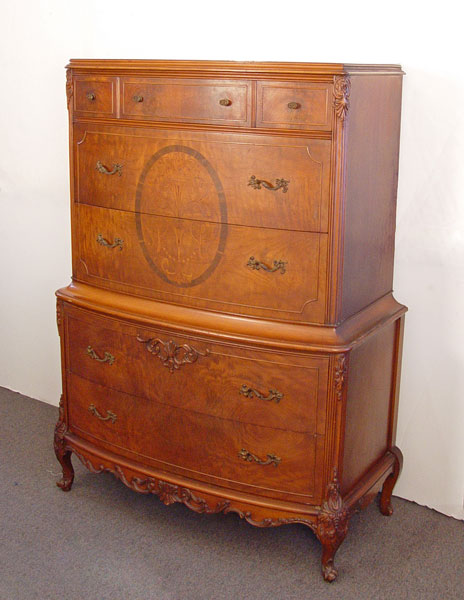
137	98
294	105
91	96
225	102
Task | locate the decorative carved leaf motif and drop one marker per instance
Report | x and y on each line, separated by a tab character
342	88
171	355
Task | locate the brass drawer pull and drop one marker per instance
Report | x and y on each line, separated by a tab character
225	102
249	392
294	105
91	96
109	358
271	459
256	265
280	184
110	416
118	242
170	354
117	168
137	98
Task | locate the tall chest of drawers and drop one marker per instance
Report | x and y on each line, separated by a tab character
229	339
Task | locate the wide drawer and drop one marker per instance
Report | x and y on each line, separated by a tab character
241	179
249	386
227	452
245	270
95	96
221	102
288	105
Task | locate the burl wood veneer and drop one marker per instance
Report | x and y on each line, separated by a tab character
230	339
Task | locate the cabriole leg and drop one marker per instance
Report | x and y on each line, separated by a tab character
64	458
389	483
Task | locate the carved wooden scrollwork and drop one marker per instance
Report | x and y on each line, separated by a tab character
342	88
341	370
69	86
170	354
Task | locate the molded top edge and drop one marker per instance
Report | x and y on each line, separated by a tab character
226	66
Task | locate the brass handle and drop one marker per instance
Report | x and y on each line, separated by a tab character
272	459
256	265
249	392
109	358
279	184
117	168
110	416
137	98
118	242
91	96
294	105
225	102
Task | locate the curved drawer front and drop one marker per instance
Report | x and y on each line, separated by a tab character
233	454
222	102
227	382
278	274
242	180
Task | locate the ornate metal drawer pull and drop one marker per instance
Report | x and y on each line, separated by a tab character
279	184
117	168
294	105
110	416
256	265
118	242
271	459
109	358
249	392
170	354
137	98
91	96
225	102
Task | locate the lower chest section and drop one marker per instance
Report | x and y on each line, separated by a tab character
233	416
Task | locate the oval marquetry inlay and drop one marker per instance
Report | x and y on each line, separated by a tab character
180	183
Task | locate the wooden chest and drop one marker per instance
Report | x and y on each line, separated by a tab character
230	339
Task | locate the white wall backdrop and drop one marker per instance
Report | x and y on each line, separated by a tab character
38	37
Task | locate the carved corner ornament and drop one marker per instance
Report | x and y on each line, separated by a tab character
340	373
69	86
342	88
332	527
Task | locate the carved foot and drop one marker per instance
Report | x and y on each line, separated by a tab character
64	458
332	527
389	483
65	483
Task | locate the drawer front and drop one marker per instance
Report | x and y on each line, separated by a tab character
287	105
221	102
203	447
211	265
95	96
242	180
243	385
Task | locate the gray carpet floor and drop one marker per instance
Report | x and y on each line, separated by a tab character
103	541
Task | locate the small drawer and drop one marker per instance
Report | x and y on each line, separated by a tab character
222	102
265	461
243	385
283	105
240	270
95	96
